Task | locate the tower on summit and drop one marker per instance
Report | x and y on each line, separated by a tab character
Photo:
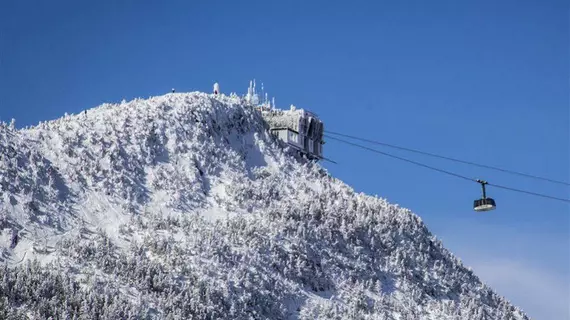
216	88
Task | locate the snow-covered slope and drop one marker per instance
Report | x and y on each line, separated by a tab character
183	206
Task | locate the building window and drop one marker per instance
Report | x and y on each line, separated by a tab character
293	137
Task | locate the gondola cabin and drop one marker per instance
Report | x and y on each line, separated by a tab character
485	203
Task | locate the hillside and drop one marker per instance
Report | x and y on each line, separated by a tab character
183	206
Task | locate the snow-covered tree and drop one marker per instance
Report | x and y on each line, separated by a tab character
184	206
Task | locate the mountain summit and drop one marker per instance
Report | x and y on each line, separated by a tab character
184	206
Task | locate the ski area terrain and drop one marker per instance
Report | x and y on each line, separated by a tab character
184	206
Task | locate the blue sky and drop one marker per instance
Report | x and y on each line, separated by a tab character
485	81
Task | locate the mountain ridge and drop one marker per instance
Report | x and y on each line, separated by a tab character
183	205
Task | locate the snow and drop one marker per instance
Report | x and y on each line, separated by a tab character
184	205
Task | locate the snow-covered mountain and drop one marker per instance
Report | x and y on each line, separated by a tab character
183	206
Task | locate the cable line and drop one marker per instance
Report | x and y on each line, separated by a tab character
529	192
445	171
452	159
403	159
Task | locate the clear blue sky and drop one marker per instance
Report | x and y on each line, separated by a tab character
485	81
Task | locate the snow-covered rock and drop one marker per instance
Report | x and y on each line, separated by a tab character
183	206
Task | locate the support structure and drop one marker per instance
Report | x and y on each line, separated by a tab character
301	130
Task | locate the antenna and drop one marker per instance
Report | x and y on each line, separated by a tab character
249	92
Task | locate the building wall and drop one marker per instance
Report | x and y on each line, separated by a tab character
293	128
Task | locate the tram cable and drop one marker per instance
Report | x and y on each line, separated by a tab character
450	158
403	159
483	183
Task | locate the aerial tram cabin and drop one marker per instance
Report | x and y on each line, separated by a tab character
484	204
